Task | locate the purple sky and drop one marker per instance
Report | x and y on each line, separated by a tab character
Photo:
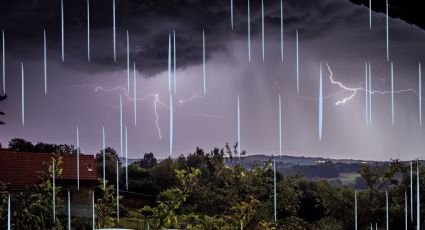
331	31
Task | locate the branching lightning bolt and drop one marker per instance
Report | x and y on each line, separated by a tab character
156	101
355	90
339	84
194	96
125	93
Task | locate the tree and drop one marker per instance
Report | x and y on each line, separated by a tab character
106	205
33	206
244	213
148	161
111	158
41	147
3	204
2	113
234	154
171	200
21	145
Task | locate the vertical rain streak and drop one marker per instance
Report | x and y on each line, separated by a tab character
274	191
169	63
387	32
239	126
366	95
62	32
231	14
386	211
88	30
134	94
392	94
281	29
262	27
249	33
280	126
45	61
118	191
22	94
69	210
3	62
298	62
405	211
174	62
203	61
93	212
411	191
370	14
370	93
54	191
9	214
128	63
121	127
171	125
126	158
104	156
420	94
418	199
355	209
78	159
320	104
114	37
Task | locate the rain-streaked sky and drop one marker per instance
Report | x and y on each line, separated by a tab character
86	94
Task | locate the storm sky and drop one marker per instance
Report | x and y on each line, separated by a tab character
86	94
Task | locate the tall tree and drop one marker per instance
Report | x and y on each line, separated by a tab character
2	113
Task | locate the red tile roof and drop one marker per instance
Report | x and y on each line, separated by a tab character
19	169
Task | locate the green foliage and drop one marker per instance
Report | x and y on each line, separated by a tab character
22	145
148	161
32	208
171	200
111	158
202	191
106	205
81	223
4	195
244	213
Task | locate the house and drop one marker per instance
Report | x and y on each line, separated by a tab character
19	170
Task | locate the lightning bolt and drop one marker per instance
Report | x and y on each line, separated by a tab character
156	102
194	96
344	88
355	90
125	93
304	97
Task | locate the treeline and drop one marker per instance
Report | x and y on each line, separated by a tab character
22	145
199	191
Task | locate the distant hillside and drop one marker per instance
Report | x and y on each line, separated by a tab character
286	161
338	171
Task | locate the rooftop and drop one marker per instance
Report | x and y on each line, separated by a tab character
20	169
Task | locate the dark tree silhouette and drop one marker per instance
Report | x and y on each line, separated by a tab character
2	113
148	161
22	145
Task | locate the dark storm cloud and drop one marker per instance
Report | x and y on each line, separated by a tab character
149	23
332	31
411	12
